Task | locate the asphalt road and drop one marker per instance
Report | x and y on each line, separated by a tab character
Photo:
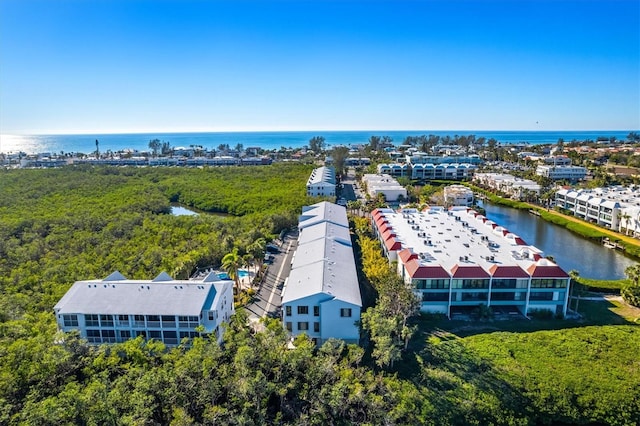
268	299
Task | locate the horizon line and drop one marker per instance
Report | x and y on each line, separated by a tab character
468	131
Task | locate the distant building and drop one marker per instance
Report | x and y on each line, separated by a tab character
357	161
116	309
458	195
457	259
615	207
322	182
386	185
321	296
571	173
515	187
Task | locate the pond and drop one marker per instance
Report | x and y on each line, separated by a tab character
178	209
570	251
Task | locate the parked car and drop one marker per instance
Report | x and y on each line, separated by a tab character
272	248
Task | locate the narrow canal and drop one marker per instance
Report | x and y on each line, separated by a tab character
570	251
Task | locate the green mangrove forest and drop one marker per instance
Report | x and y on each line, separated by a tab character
74	223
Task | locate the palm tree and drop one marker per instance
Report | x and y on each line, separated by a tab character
257	250
574	282
231	262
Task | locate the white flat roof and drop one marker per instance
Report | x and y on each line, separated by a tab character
460	238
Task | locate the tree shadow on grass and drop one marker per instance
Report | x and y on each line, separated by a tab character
463	387
591	313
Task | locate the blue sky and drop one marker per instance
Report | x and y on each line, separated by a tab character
79	66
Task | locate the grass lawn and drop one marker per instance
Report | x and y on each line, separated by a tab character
603	286
611	311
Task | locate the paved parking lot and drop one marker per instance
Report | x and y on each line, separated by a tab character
268	299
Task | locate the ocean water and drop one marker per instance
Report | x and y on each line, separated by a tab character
32	144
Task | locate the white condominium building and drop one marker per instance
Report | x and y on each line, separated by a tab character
615	207
446	171
322	182
572	173
386	185
508	184
321	296
116	309
458	195
458	259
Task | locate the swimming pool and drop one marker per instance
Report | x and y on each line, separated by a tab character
241	274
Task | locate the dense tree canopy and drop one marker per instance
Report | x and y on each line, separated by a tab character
59	226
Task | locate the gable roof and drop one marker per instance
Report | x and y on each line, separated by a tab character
141	297
459	271
546	271
498	271
323	212
416	270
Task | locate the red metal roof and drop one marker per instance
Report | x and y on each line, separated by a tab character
392	244
468	272
546	271
425	272
380	220
519	241
388	234
507	272
406	254
384	227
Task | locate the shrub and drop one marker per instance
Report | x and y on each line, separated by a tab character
541	314
631	294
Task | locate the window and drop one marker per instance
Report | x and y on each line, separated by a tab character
287	311
125	335
289	326
503	296
423	284
138	320
316	327
187	321
168	321
93	336
122	320
548	283
91	320
154	334
503	283
188	334
108	336
303	310
211	316
316	311
70	320
106	320
345	312
467	297
435	297
170	337
541	295
303	326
